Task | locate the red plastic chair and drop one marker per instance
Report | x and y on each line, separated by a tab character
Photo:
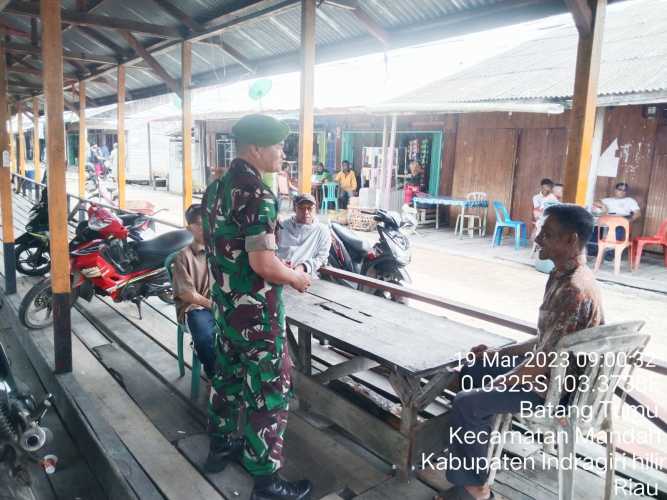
610	241
660	238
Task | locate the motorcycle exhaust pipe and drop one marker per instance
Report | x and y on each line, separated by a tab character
33	439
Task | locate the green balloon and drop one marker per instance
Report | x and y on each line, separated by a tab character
260	88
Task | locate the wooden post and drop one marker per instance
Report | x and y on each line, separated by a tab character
12	145
306	117
36	152
5	179
120	118
186	121
21	144
582	115
83	139
52	57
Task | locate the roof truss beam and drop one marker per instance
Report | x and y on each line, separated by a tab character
171	83
234	54
582	14
104	40
373	27
78	18
24	48
179	15
37	72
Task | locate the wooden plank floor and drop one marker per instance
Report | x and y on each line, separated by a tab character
128	365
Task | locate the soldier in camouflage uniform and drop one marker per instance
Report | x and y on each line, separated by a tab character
252	379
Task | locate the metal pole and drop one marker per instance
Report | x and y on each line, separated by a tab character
36	152
390	164
378	182
151	180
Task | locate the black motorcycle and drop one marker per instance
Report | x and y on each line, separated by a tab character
32	247
385	260
21	435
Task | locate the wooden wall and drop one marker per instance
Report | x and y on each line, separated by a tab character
636	138
656	200
506	155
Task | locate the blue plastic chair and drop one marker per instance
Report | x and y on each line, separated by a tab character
503	220
181	330
329	195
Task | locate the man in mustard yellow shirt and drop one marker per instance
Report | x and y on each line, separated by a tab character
347	181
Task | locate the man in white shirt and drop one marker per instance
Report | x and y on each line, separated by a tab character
621	204
303	242
546	186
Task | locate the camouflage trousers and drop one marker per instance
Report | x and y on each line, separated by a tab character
249	395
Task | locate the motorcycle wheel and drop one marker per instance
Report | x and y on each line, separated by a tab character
36	309
394	279
32	259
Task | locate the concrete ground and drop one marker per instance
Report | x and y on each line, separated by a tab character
502	280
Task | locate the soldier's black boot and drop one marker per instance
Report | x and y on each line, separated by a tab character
274	487
221	452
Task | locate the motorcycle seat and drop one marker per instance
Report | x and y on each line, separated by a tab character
357	247
152	253
84	233
129	219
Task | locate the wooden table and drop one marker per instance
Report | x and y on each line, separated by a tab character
418	349
447	201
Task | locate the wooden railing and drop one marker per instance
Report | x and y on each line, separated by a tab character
652	410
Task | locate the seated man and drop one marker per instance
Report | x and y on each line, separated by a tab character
622	205
571	303
192	290
303	242
321	175
557	192
347	180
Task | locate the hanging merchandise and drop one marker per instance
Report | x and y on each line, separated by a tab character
425	152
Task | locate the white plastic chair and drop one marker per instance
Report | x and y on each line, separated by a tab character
613	352
475	219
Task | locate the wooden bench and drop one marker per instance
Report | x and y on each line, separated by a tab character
418	349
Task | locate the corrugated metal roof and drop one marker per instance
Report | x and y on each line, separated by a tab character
634	60
257	40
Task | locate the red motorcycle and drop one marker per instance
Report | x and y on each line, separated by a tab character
109	266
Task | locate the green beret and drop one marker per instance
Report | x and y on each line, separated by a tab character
260	130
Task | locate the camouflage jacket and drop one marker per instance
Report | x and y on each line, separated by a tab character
240	217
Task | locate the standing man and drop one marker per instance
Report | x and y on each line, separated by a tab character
113	160
252	366
347	181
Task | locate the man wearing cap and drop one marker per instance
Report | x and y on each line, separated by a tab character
304	242
252	368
